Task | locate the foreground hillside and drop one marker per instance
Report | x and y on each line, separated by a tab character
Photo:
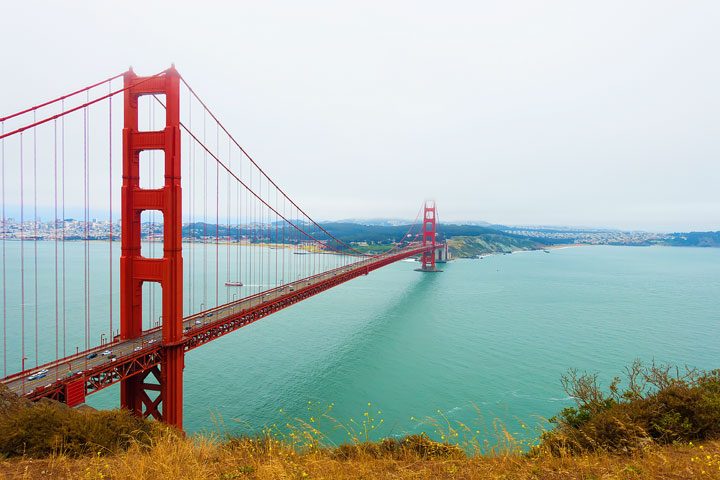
171	457
665	423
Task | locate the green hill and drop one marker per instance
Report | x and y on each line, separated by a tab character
471	247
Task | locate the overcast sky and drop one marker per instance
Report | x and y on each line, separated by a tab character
516	112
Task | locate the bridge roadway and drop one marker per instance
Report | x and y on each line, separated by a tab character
117	360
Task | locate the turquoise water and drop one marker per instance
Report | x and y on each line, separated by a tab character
485	339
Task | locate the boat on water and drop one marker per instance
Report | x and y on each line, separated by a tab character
233	284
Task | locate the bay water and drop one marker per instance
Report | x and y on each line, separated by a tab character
485	340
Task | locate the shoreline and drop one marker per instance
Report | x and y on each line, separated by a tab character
512	252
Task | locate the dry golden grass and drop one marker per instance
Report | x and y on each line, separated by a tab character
174	457
641	433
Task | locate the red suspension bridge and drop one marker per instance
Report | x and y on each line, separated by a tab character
251	250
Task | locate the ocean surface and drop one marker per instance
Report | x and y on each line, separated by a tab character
484	341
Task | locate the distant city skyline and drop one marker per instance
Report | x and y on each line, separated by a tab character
47	222
521	113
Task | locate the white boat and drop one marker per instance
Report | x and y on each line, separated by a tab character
233	284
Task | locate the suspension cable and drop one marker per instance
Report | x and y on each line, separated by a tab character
79	107
212	115
61	98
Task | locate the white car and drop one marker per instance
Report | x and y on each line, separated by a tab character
137	349
106	353
41	374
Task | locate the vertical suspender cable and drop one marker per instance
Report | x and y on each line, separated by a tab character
217	218
191	201
248	266
62	161
251	234
35	234
4	234
204	213
110	205
284	254
55	237
86	230
269	236
22	253
227	231
259	260
275	242
237	225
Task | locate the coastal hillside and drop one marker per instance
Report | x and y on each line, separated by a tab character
693	239
376	235
488	243
464	241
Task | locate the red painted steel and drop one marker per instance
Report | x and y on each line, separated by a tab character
136	269
224	319
149	363
71	110
75	392
60	98
429	232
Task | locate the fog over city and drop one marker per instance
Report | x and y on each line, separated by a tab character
598	114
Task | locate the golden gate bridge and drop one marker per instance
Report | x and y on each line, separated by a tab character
59	158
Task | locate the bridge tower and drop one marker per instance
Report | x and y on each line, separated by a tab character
163	399
429	233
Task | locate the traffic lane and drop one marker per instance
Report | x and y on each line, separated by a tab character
59	372
123	349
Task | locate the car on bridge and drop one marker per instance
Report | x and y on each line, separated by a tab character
41	374
91	356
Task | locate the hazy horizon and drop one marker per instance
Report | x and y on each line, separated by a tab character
46	214
518	113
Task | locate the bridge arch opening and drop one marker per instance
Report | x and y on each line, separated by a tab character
151	305
152	169
153	235
151	113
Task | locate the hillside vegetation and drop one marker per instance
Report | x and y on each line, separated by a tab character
665	423
693	239
471	247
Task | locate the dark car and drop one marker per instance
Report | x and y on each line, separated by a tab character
91	356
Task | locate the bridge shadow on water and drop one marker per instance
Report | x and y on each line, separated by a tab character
342	370
404	312
383	332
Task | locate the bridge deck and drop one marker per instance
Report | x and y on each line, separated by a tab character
138	355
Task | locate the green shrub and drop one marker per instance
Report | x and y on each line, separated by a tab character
45	427
660	404
420	446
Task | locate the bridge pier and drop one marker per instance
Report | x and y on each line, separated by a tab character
161	400
442	255
429	229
